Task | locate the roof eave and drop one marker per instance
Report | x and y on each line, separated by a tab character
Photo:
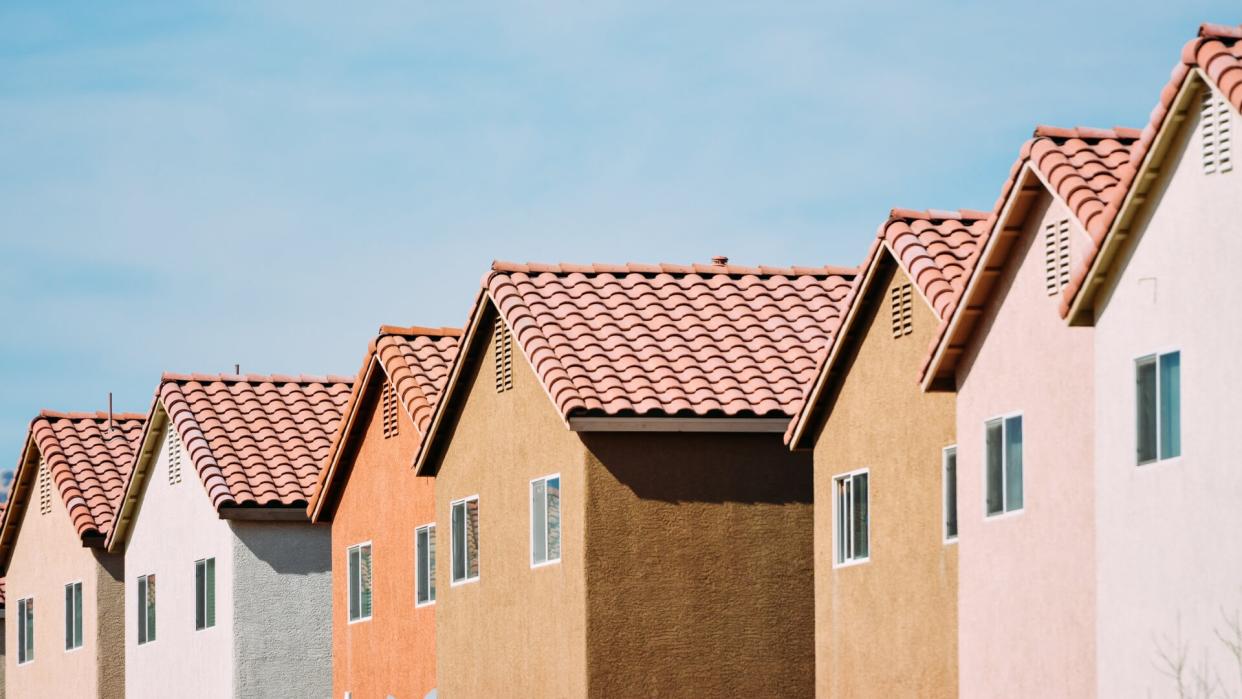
137	474
323	494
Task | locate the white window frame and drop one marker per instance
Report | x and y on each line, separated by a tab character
1155	356
208	623
81	614
144	615
22	605
1004	513
453	582
549	561
837	561
431	530
349	581
944	495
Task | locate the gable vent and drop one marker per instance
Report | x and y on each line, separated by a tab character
1217	137
174	457
903	310
1056	255
503	353
45	488
389	409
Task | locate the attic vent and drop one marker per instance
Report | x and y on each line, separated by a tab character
390	410
903	310
1056	255
174	457
504	356
45	488
1217	133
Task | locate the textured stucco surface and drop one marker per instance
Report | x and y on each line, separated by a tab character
1026	595
887	627
517	630
48	555
282	592
382	501
699	566
1169	561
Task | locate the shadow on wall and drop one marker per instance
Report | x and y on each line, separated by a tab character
711	468
288	549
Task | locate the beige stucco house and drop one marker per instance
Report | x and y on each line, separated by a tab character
619	515
64	625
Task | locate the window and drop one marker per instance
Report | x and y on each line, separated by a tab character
45	488
204	594
25	630
853	525
545	520
146	609
902	308
389	410
1004	464
950	493
1159	378
1056	255
174	457
465	539
73	616
359	582
425	564
503	355
1217	140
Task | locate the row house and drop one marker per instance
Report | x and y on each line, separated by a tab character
620	514
885	469
382	518
227	587
65	630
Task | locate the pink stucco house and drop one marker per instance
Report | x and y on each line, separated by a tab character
1162	296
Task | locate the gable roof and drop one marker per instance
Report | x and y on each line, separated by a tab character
254	440
937	250
662	340
1083	168
88	457
416	362
1214	57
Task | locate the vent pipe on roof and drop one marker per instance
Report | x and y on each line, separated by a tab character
237	369
109	411
720	261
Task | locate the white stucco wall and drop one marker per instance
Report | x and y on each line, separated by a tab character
1169	559
1026	578
174	526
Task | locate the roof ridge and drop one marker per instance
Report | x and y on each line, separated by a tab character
88	415
502	267
899	214
419	330
1087	133
174	377
1220	31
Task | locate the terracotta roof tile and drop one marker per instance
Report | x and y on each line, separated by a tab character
88	462
671	339
1217	51
255	439
937	249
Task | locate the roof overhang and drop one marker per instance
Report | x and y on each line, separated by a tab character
144	459
270	513
19	496
679	424
317	510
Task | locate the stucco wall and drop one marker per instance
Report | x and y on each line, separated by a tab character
48	555
699	566
383	502
1169	565
282	592
1026	597
517	630
174	526
887	627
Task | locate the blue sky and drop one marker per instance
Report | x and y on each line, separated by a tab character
188	186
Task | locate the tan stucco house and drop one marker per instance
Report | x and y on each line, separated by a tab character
885	470
619	515
65	627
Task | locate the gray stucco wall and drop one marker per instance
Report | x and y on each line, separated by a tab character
282	610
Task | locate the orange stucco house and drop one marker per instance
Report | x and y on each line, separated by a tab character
619	514
382	518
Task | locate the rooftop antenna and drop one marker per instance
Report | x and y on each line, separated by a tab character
237	369
109	411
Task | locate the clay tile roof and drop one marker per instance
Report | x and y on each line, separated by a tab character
417	361
1084	166
669	339
937	249
255	439
88	463
1217	52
